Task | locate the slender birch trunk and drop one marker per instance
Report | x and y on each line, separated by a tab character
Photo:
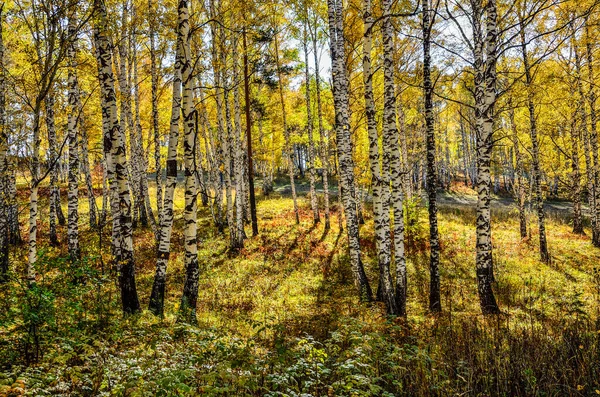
535	153
520	180
73	115
575	136
157	296
155	125
309	127
344	145
189	297
116	144
323	139
593	134
485	99
4	194
381	212
288	147
435	303
238	157
391	157
52	162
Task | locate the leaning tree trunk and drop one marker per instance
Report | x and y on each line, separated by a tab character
435	303
381	208
116	144
485	97
73	194
344	145
157	296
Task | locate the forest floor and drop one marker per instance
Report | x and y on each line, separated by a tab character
281	318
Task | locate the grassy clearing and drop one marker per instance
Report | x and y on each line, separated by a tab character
282	318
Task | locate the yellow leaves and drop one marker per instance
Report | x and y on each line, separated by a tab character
580	387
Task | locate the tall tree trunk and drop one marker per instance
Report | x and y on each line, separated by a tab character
157	296
52	162
381	209
238	162
250	165
323	138
189	297
116	144
595	211
155	125
391	157
73	195
435	303
4	181
309	127
520	180
229	169
535	152
85	166
344	145
575	136
485	98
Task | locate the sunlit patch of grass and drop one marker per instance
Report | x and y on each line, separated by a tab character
292	280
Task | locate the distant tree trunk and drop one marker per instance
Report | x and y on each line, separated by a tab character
85	167
155	125
52	162
126	265
157	296
73	195
323	139
288	147
381	208
406	183
344	145
250	165
435	303
309	127
229	170
146	213
520	180
218	143
189	297
535	152
238	158
485	96
575	134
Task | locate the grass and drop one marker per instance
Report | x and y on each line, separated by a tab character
282	318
